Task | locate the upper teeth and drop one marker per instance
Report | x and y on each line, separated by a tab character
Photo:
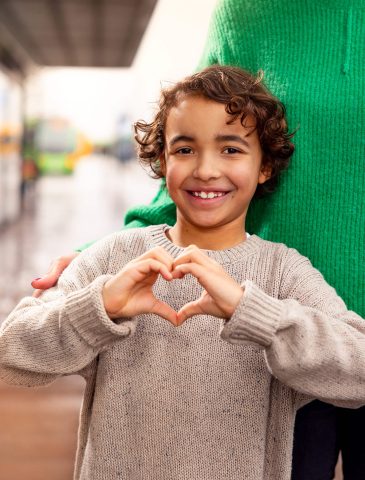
208	194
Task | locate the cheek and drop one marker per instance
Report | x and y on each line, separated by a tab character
174	177
244	176
176	171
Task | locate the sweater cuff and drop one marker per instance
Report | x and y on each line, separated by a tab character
256	318
85	311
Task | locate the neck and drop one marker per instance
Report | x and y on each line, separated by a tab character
217	238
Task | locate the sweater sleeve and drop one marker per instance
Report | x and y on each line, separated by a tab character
64	330
312	343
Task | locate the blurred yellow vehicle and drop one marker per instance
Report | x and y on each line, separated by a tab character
59	146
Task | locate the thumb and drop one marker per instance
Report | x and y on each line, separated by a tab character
165	311
189	310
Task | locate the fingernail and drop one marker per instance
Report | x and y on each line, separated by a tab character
35	279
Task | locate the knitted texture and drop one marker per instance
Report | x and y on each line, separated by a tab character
210	400
313	56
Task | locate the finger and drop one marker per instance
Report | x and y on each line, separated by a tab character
189	310
159	267
158	253
135	275
150	265
223	290
165	311
198	271
193	254
51	277
177	275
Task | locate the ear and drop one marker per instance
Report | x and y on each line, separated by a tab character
265	174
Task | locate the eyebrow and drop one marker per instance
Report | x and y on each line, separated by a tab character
231	138
180	138
217	138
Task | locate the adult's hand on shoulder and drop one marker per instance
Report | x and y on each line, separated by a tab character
50	279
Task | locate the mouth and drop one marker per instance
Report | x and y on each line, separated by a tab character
205	195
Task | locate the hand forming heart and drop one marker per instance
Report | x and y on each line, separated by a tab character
129	292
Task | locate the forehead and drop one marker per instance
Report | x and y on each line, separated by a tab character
194	114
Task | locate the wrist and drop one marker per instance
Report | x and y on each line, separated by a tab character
110	306
237	294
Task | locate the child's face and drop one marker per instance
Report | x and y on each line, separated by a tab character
212	168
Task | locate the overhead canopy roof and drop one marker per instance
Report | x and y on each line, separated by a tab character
79	33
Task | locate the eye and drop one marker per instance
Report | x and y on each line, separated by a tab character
231	150
184	151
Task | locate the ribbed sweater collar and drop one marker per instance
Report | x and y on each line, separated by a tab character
224	257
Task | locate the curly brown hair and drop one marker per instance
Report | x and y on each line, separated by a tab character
243	95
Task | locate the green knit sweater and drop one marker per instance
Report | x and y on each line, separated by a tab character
313	56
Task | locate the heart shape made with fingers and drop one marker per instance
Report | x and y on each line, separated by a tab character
130	292
220	296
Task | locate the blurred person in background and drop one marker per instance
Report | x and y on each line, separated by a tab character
312	54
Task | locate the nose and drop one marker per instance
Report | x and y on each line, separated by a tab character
206	167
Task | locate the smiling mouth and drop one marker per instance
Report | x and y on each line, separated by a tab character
206	195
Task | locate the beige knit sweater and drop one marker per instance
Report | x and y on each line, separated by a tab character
208	400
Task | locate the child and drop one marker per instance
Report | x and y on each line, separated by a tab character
260	332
